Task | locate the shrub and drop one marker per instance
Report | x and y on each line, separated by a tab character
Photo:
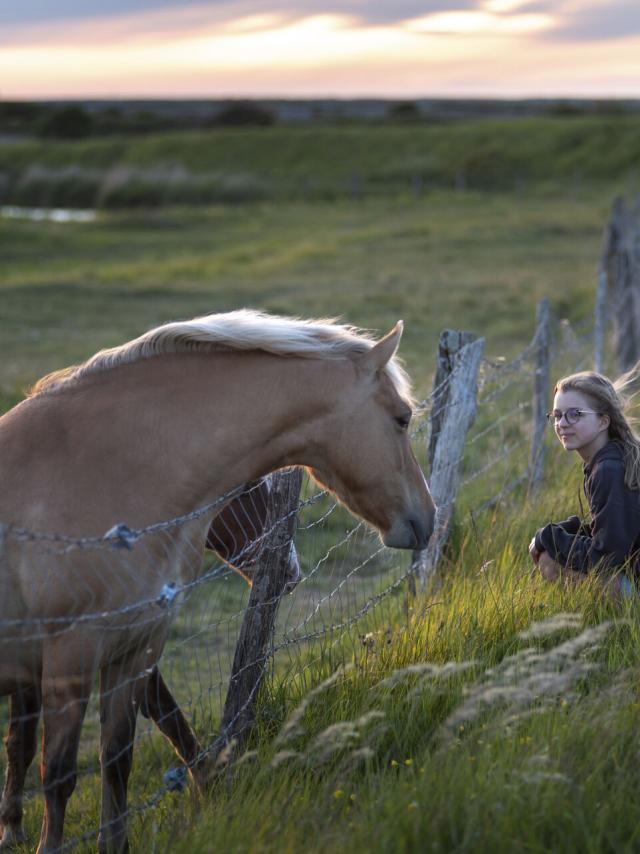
67	123
243	114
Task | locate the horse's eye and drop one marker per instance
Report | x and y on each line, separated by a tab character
403	421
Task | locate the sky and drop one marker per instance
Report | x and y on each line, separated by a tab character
319	48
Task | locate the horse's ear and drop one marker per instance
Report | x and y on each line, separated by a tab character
377	357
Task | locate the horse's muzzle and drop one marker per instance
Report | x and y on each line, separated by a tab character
410	532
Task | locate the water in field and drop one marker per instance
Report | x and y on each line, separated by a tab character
48	214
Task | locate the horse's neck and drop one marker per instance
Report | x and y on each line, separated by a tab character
215	421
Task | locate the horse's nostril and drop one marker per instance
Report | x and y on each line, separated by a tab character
422	530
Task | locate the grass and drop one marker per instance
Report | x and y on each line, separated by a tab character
474	261
320	162
424	760
387	756
555	771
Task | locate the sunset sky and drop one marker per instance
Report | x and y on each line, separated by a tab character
316	48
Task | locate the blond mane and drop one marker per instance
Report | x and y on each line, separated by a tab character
236	330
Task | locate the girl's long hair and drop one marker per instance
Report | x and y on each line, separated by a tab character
612	399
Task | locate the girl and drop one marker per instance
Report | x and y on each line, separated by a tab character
588	416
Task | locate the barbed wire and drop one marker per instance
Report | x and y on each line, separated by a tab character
362	578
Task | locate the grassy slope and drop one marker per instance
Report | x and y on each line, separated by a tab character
601	146
319	162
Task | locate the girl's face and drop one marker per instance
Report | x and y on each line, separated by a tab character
590	430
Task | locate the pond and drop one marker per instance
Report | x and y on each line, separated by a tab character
48	214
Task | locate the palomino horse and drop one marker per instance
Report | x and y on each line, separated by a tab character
153	430
237	535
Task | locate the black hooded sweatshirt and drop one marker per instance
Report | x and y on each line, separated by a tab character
613	535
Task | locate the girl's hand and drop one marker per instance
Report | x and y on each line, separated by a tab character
550	569
533	551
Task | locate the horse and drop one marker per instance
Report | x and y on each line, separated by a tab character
237	536
152	430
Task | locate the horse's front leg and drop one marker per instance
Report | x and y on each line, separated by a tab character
158	703
65	695
120	687
21	748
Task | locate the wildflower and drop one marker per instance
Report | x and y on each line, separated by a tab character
412	807
393	763
338	794
408	761
368	640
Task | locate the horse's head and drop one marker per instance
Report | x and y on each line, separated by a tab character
368	459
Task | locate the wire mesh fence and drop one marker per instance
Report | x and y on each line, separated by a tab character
344	584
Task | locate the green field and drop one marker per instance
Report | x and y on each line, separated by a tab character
478	261
479	757
320	162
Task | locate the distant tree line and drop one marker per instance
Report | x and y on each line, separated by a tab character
80	120
76	121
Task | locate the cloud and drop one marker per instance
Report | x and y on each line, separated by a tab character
575	20
68	22
597	22
50	11
370	12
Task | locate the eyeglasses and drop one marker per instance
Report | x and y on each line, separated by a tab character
571	415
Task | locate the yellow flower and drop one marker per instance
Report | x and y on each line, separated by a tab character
408	761
338	794
412	806
393	763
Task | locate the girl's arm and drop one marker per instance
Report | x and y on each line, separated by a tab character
573	525
614	528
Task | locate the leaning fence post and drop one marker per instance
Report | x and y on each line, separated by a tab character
540	394
453	412
259	620
623	270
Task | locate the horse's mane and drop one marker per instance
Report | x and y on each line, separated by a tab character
235	330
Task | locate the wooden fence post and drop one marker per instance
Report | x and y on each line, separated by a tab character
540	395
260	616
605	282
623	276
600	324
452	414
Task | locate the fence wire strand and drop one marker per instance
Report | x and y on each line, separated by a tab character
345	574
